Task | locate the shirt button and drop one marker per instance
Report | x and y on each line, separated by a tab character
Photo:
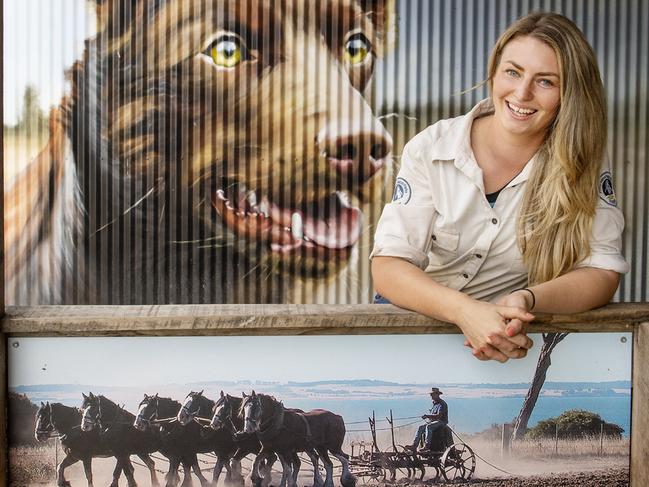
494	221
465	275
479	256
434	237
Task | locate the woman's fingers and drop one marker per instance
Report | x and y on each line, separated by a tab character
520	339
511	313
515	326
509	347
492	353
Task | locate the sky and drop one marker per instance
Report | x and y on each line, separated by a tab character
33	55
139	361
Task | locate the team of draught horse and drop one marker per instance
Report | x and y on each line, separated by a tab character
230	428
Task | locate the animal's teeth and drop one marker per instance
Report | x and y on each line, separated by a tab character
252	198
263	207
296	226
343	197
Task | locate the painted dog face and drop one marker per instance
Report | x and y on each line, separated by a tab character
209	151
252	113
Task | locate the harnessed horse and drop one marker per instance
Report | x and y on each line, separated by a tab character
158	415
56	419
226	418
287	432
113	425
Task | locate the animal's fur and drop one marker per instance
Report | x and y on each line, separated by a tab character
121	206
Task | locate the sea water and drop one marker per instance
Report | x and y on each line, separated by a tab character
469	415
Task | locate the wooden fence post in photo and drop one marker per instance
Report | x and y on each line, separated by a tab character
505	448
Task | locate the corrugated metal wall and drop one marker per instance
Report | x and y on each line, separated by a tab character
440	53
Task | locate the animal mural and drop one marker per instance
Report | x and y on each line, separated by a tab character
208	151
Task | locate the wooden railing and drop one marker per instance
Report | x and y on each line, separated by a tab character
170	320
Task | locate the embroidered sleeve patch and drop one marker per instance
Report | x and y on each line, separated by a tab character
606	191
402	191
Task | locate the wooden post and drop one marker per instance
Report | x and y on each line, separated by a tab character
4	445
556	438
506	440
640	407
601	438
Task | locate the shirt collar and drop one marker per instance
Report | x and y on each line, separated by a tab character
457	147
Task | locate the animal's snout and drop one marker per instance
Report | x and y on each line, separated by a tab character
355	154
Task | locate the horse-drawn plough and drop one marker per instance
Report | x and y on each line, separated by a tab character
232	428
452	462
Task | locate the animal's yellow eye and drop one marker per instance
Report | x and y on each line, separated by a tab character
227	51
356	49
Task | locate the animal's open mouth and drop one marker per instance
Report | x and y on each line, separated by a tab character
329	224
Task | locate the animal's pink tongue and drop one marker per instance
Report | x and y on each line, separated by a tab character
337	231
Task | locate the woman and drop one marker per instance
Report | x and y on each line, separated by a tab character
512	194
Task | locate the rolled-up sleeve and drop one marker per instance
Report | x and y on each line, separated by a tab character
404	229
608	225
606	241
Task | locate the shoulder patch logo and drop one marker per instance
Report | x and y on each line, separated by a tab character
402	191
606	191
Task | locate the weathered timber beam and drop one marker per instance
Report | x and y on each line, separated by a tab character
278	319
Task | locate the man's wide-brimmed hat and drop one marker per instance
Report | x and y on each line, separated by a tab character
435	390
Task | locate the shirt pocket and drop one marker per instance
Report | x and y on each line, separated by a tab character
445	240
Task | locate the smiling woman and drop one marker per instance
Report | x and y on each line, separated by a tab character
516	193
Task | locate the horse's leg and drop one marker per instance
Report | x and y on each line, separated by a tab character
269	461
117	471
197	471
60	470
286	469
228	468
317	477
347	479
87	468
187	470
150	464
295	467
329	466
255	475
172	478
128	468
216	473
236	476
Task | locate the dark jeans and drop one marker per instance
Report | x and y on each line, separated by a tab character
378	299
429	432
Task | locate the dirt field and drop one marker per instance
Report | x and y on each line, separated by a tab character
32	467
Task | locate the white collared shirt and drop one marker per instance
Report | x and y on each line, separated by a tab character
441	221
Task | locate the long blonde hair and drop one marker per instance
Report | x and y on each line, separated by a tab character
558	207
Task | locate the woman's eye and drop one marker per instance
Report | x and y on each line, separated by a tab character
512	72
227	51
356	49
546	83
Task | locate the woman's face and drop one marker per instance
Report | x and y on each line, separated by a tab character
526	90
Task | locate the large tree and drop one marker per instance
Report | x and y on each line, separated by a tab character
32	117
550	340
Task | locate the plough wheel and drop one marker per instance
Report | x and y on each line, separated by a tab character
376	476
458	463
